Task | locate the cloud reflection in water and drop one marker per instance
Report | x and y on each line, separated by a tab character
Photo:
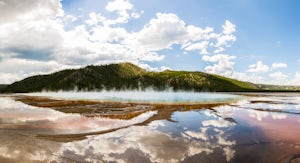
226	133
13	113
156	145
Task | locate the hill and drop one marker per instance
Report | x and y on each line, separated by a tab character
2	87
129	76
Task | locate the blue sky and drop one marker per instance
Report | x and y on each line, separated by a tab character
250	40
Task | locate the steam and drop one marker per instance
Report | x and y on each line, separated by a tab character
139	96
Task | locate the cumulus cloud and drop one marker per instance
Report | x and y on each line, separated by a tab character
13	69
16	65
295	81
278	76
38	33
31	30
162	32
224	39
119	5
251	77
279	65
201	46
7	78
228	28
259	67
223	64
149	68
209	39
123	8
95	19
13	10
227	36
43	37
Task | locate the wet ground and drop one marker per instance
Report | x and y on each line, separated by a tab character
251	128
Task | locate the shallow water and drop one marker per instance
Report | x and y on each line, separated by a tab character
18	115
265	128
143	96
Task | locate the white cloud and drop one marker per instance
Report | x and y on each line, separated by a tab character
279	65
243	76
119	5
39	35
122	7
295	81
228	28
224	39
71	18
224	65
43	39
278	76
95	19
13	69
162	32
149	68
106	34
8	78
13	10
201	46
216	42
136	15
166	30
15	65
219	50
259	67
227	36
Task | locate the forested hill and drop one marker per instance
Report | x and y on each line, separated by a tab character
129	76
2	87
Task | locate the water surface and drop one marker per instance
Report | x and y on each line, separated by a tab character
167	97
260	128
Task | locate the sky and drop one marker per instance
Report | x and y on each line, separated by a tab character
250	40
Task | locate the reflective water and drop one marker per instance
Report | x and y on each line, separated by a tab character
143	96
17	115
265	128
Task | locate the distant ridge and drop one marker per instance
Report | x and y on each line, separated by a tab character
127	76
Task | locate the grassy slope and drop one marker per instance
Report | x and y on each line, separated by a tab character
279	88
129	76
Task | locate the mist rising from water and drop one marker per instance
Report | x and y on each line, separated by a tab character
147	96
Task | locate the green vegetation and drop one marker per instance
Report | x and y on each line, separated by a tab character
279	88
2	87
129	76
